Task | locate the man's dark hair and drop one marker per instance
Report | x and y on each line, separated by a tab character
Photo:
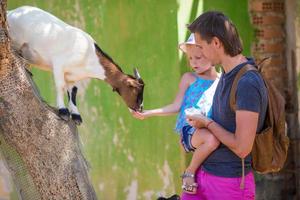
216	24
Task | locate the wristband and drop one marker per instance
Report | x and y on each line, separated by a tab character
211	121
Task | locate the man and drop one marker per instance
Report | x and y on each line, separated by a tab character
220	176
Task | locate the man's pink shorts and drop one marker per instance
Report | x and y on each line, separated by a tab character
214	188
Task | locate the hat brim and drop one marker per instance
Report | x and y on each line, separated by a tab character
183	46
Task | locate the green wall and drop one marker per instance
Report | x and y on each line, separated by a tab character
237	11
131	159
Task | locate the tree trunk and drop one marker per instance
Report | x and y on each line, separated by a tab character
42	151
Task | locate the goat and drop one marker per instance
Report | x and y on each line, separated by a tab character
71	54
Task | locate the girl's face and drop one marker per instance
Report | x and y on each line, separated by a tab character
197	60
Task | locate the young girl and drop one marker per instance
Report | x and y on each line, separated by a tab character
195	90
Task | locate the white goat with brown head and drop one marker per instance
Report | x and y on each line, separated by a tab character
50	44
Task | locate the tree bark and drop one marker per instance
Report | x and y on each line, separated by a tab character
41	150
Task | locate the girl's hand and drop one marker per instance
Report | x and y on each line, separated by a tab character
139	115
198	120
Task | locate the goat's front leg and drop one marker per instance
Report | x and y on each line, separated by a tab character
72	92
60	85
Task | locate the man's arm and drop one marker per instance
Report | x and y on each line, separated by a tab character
241	141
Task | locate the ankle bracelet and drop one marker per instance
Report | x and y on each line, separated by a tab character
188	174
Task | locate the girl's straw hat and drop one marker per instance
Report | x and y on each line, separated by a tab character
190	41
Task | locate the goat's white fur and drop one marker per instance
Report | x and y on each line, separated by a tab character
51	44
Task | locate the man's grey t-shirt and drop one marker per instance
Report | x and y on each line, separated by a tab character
252	96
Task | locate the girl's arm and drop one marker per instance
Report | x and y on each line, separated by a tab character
172	108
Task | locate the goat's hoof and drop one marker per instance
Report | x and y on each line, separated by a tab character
77	119
64	114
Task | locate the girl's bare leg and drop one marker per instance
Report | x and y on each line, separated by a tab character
205	143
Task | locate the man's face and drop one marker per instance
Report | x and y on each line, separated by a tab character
209	51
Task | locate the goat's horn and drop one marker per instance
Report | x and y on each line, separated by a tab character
136	73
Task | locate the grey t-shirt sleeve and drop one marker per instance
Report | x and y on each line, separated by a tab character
248	95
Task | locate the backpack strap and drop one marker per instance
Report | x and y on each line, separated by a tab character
242	184
242	71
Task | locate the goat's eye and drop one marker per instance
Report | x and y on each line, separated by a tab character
116	90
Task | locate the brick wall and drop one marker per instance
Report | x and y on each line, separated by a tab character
268	19
277	35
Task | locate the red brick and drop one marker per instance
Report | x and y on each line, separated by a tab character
266	20
268	33
268	48
265	6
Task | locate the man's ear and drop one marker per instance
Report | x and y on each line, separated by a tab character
216	42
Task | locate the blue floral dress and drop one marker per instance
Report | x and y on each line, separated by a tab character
191	97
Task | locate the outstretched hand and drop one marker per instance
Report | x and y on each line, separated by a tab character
138	115
198	120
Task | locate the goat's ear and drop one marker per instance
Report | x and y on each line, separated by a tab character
132	83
